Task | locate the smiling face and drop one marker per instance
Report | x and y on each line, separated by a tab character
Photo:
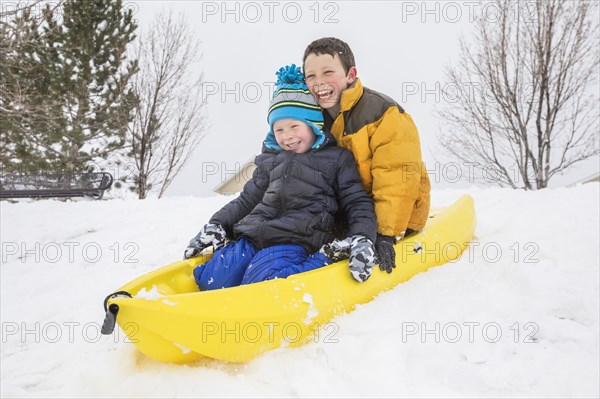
326	78
293	135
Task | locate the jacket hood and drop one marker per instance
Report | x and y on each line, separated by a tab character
326	139
271	143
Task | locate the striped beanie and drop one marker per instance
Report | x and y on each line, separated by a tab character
293	100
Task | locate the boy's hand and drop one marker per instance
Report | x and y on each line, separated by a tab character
211	234
386	255
362	258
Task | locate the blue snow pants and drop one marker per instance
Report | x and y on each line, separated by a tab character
242	263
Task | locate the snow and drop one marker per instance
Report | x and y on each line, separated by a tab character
101	26
312	311
517	315
151	295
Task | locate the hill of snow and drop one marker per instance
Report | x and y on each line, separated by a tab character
517	315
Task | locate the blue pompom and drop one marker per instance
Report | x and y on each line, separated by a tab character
289	74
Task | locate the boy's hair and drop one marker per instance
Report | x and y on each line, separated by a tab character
332	46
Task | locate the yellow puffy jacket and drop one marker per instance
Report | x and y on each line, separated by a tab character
386	146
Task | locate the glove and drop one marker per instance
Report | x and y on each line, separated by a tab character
386	255
336	250
362	258
211	234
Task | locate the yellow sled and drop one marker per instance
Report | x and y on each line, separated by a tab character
171	321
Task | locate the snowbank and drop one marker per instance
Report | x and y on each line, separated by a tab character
517	315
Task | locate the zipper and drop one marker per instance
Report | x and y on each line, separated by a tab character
285	183
261	234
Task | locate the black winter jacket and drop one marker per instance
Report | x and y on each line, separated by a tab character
293	199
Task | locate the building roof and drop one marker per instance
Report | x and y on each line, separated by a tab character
235	183
594	177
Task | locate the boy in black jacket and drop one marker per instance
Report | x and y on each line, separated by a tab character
286	211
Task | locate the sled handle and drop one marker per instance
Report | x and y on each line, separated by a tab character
115	295
110	319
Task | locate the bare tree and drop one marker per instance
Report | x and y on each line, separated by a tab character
169	120
529	104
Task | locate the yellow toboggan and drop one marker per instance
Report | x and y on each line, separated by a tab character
170	320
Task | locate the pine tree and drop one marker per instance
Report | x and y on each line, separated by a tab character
81	103
23	98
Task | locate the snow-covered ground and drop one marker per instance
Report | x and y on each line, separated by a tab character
517	315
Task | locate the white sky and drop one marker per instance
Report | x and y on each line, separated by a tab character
401	49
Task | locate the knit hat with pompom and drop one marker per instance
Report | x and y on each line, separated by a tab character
293	100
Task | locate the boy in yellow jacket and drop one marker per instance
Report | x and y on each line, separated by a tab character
382	137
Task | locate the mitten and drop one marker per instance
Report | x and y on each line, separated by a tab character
337	250
211	234
362	258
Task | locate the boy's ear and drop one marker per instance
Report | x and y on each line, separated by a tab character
351	76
